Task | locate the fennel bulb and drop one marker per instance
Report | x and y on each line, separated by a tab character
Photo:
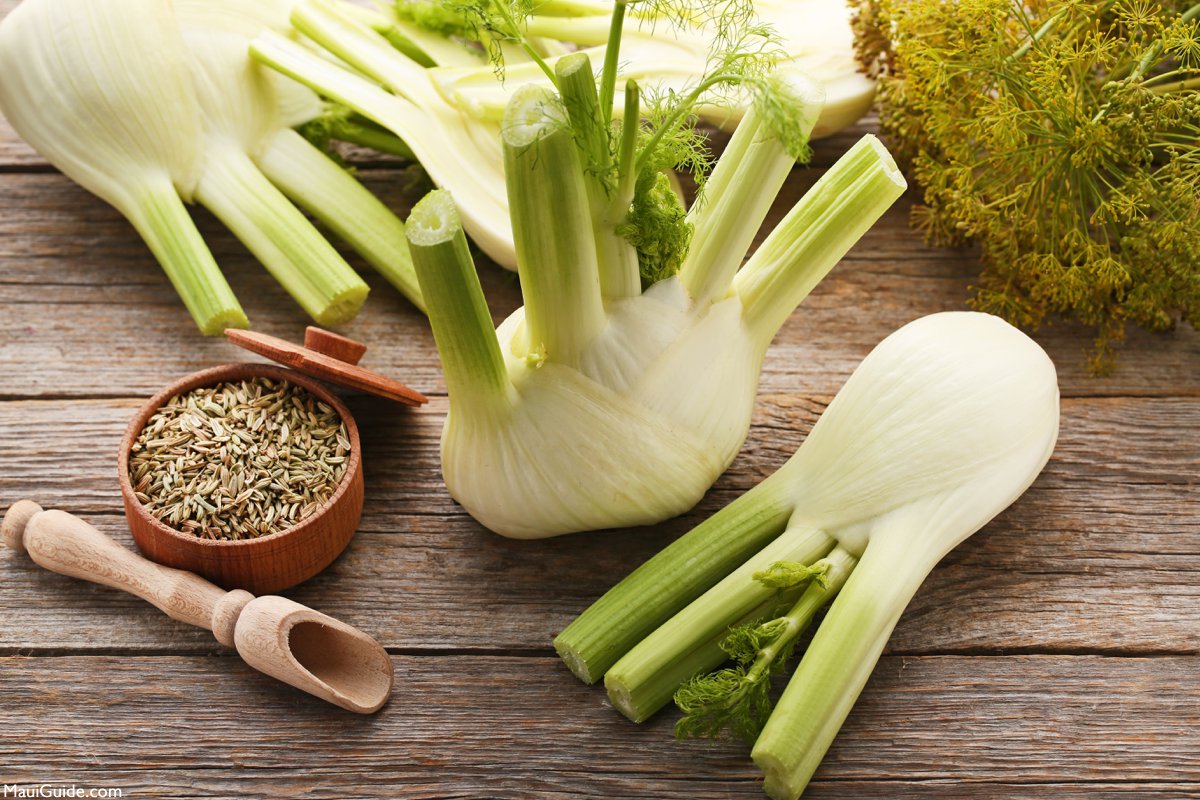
939	429
148	103
598	405
110	103
625	384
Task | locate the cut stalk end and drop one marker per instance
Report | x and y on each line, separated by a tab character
622	700
577	86
434	220
474	367
343	306
574	661
776	783
552	226
167	228
216	324
572	65
814	236
533	113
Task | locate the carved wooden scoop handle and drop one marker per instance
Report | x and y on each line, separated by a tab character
304	648
66	544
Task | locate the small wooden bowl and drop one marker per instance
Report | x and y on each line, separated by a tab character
267	564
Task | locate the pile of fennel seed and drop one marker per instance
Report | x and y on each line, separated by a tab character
240	459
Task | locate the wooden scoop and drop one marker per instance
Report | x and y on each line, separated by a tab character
288	641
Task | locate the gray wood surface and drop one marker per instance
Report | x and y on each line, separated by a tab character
482	725
1089	545
1053	656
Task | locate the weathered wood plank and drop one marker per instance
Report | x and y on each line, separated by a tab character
74	280
1101	554
317	784
520	727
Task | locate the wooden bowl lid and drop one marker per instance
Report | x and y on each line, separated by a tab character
327	356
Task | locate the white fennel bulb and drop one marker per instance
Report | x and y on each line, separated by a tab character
599	405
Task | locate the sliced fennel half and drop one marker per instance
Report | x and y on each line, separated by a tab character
148	103
939	429
449	115
598	405
816	41
99	90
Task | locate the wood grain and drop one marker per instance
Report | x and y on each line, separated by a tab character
76	279
1088	549
505	727
1054	656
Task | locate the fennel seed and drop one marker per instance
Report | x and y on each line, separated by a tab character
239	460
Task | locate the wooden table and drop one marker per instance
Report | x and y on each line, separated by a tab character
1054	655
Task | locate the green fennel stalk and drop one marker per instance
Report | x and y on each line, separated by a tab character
646	677
280	237
332	195
655	591
458	312
165	225
556	251
835	668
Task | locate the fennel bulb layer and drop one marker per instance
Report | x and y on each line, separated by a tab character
656	409
815	39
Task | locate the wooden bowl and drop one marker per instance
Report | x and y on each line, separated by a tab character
270	563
